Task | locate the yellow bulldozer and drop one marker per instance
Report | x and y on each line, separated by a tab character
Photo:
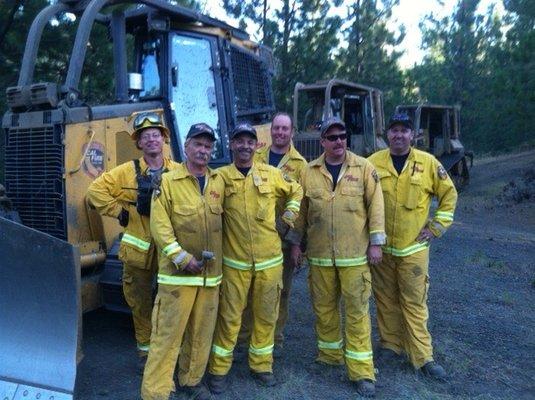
58	258
359	106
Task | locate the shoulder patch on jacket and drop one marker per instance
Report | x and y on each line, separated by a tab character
287	177
375	176
442	174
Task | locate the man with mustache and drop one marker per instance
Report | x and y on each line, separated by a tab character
252	257
283	155
410	178
342	215
114	194
186	222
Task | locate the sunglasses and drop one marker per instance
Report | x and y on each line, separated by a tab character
152	118
334	138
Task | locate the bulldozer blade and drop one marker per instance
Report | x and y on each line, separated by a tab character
39	314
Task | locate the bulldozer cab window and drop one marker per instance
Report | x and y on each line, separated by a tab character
149	68
354	115
310	113
193	85
358	120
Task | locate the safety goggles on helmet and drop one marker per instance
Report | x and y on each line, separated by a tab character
149	120
145	120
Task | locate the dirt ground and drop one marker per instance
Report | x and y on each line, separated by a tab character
481	302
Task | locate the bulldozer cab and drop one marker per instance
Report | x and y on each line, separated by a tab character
359	106
437	131
60	135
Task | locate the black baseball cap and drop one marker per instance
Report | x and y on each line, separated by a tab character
329	123
400	118
243	127
201	129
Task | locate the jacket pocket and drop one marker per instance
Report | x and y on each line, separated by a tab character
315	193
185	218
265	203
133	255
426	290
215	217
366	287
413	194
352	198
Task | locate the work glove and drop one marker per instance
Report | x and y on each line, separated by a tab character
194	266
281	226
123	217
288	217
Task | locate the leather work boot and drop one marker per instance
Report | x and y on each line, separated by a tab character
264	378
197	392
216	383
435	371
365	388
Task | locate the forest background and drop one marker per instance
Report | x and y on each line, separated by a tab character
484	62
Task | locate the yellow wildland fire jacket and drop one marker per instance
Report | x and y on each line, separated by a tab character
185	222
116	190
340	224
408	199
250	239
291	165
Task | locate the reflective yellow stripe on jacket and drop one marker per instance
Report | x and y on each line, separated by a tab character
339	262
189	280
134	241
273	262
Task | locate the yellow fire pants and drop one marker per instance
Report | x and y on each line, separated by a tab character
137	289
265	286
183	323
400	286
284	305
328	285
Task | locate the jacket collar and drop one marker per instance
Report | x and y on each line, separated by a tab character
234	173
143	166
292	154
351	160
182	172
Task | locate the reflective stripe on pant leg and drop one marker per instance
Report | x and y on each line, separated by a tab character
137	289
389	317
198	337
413	285
266	288
356	289
284	305
232	301
170	317
325	293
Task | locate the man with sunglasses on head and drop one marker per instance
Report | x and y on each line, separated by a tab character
342	214
125	193
410	178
